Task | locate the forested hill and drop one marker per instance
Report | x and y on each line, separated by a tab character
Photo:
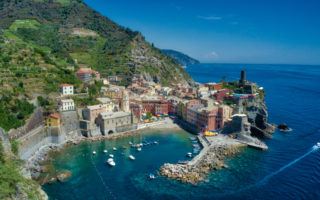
70	31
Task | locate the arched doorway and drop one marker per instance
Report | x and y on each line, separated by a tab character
110	132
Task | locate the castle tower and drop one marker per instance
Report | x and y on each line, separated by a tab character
242	80
125	104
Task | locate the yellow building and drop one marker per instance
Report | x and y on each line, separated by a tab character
53	119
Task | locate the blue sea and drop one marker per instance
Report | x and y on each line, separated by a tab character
290	169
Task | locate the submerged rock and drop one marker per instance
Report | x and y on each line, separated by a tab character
63	176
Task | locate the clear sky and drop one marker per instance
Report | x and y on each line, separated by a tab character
232	31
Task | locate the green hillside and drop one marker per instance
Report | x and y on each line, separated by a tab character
43	42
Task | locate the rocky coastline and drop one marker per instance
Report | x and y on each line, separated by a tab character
211	158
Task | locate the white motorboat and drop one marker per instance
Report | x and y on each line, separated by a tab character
318	144
139	149
111	162
189	154
105	151
152	176
114	149
155	142
94	152
130	143
131	157
111	155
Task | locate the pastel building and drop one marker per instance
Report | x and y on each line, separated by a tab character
53	120
66	89
211	117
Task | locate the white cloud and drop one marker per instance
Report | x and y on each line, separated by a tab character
210	18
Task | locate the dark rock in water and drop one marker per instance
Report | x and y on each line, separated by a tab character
283	127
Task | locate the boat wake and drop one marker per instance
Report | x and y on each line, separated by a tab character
266	178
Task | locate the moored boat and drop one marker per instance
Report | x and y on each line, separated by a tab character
94	152
111	162
131	157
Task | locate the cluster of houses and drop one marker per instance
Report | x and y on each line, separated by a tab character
120	109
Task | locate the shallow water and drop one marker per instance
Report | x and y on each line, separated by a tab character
293	97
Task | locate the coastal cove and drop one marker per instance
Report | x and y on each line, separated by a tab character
291	92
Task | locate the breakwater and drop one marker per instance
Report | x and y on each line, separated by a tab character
210	158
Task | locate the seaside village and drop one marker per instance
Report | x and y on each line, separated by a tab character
206	108
215	112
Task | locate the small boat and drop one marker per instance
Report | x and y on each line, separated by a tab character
131	157
105	151
318	144
94	152
152	176
114	149
155	142
139	149
111	155
130	143
111	162
189	154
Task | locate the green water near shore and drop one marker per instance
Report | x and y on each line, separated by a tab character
91	173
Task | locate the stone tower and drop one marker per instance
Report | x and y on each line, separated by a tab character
242	80
125	104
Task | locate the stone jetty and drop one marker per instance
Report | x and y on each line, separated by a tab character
212	156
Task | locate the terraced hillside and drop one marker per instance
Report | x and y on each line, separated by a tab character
43	42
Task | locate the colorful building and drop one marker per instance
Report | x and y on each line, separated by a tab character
53	120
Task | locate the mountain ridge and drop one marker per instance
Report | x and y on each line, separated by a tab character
181	58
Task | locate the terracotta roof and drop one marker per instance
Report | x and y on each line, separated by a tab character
65	85
55	115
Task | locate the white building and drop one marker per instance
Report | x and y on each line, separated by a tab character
67	104
66	89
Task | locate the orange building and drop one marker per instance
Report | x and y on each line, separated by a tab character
53	119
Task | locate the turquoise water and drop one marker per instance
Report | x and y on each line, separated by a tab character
288	170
